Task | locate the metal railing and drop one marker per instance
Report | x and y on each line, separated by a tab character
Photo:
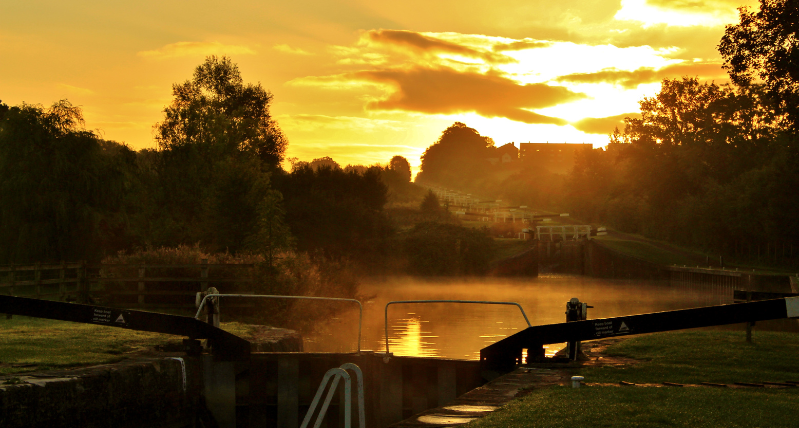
268	296
482	302
338	373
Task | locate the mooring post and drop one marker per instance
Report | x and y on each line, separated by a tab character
575	311
750	323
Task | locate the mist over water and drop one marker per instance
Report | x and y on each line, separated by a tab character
459	331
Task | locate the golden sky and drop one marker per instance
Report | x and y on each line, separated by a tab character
361	81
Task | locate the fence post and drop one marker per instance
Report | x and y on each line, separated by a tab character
37	277
83	291
62	291
204	275
11	287
141	284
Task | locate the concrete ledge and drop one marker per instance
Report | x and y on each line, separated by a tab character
135	393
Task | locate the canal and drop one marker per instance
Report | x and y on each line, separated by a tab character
459	331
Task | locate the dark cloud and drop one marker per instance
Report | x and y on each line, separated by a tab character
602	125
696	6
420	44
521	45
631	79
448	91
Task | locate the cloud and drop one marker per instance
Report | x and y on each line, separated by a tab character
447	91
313	122
602	125
692	42
687	13
521	45
422	44
76	89
184	49
289	50
695	6
631	79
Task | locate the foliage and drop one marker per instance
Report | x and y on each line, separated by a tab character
430	204
436	248
336	213
63	187
763	45
400	165
705	166
457	159
211	176
216	114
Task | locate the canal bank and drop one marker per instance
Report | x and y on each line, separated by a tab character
595	258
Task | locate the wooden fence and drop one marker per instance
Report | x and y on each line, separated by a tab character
124	285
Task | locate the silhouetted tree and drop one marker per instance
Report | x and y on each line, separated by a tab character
217	114
324	162
430	204
401	166
764	45
218	145
336	213
59	184
457	159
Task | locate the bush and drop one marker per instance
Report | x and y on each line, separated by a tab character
292	274
446	249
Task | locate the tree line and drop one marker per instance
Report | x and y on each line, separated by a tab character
214	180
711	166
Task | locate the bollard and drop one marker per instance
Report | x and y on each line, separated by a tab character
576	381
575	311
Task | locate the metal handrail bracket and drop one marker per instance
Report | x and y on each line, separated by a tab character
482	302
269	296
337	374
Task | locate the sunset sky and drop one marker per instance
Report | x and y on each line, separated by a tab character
361	81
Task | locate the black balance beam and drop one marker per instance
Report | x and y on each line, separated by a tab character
506	353
225	346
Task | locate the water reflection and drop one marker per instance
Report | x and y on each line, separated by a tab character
460	330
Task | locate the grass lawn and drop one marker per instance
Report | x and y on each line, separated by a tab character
507	247
647	251
35	344
681	357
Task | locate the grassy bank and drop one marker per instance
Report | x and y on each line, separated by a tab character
683	357
34	344
667	254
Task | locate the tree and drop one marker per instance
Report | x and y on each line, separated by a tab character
217	148
218	114
59	183
401	166
335	213
764	45
457	159
324	162
430	204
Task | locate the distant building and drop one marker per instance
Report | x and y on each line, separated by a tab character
508	153
558	158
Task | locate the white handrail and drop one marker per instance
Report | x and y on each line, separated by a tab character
450	301
336	374
269	296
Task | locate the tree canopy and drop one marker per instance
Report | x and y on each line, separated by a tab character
216	113
458	158
217	147
764	45
401	166
59	184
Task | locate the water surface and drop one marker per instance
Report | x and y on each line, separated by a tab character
459	331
